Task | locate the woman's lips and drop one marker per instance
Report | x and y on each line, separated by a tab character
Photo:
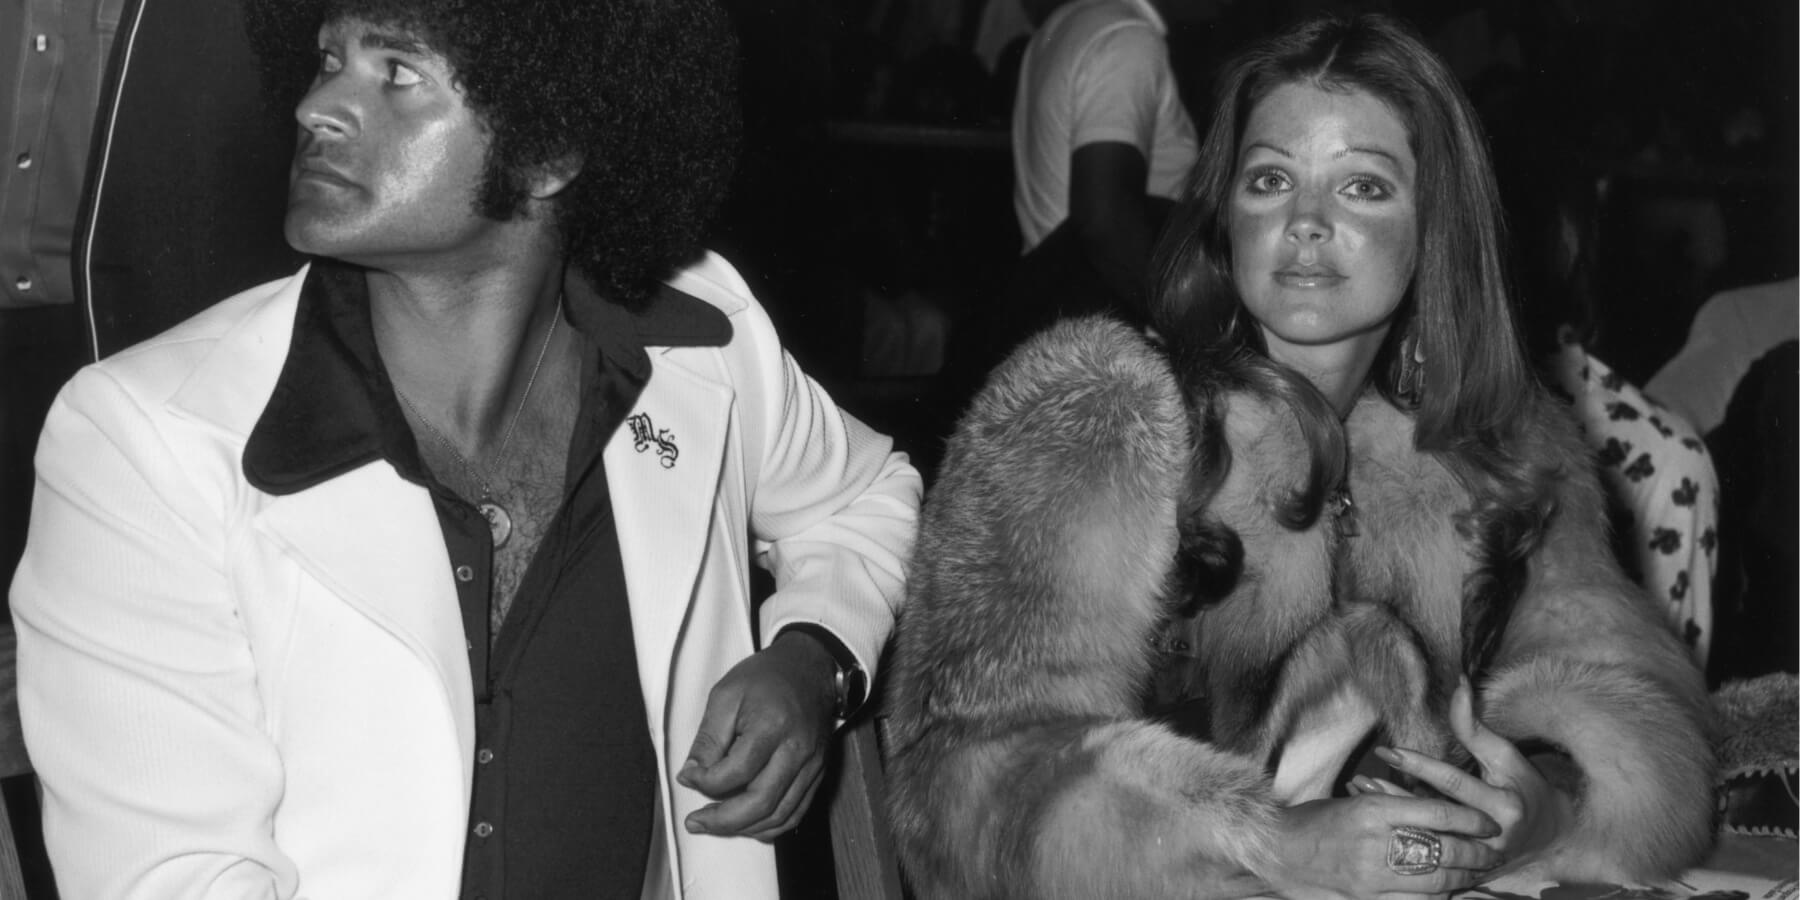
1308	277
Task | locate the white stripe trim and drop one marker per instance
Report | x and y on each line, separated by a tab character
106	142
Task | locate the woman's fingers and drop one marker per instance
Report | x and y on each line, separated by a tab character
1437	883
1364	784
1494	753
1446	779
1462	864
1460	853
1436	815
1475	852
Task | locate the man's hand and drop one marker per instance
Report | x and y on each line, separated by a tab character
763	740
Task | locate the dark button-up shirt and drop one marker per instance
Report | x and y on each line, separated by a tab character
49	89
564	782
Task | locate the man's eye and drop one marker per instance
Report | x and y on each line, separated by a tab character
329	62
402	75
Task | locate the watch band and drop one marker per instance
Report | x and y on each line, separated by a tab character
849	681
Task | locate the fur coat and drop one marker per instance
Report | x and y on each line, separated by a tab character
1021	762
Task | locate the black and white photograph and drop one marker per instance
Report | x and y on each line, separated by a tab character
899	449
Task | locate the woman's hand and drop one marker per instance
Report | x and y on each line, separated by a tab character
1532	814
1338	848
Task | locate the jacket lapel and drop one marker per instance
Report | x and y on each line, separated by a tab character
662	468
367	535
373	540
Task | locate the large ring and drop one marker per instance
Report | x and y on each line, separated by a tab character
1414	851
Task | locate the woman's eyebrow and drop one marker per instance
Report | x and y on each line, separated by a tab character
1264	145
1392	158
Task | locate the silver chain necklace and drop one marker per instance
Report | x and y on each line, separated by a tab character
498	519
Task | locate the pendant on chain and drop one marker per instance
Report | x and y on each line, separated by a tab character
499	522
1343	511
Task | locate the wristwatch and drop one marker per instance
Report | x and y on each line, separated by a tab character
849	681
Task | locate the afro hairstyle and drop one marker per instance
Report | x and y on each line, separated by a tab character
642	91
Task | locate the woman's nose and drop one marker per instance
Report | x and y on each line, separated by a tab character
1308	220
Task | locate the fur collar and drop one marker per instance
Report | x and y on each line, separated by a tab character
1303	656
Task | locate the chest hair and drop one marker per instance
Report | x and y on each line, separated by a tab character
528	483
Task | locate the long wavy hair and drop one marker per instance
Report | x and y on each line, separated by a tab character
1473	389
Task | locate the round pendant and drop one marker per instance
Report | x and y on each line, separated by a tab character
499	523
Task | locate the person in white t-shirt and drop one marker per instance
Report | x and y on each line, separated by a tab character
1099	132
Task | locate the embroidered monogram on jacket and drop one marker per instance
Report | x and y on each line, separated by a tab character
645	434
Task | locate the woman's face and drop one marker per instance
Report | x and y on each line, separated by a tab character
1323	221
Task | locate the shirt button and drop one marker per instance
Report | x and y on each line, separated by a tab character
24	160
483	829
465	574
24	283
43	42
484	756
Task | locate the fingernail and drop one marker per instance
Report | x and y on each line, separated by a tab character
1391	757
1362	783
694	827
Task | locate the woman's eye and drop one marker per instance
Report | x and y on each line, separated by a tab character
1266	182
402	75
1368	189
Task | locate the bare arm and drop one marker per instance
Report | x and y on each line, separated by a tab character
1111	216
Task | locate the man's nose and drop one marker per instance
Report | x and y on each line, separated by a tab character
329	108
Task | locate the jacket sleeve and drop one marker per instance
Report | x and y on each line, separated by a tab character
1587	666
1019	763
137	690
833	507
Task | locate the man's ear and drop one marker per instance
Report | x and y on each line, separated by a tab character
549	179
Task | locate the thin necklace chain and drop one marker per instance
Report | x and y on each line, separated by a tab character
1343	503
487	490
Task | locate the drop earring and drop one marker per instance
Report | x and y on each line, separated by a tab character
1412	369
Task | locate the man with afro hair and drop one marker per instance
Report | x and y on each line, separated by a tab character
424	572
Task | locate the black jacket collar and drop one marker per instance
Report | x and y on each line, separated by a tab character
334	409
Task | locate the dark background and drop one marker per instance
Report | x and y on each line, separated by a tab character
873	204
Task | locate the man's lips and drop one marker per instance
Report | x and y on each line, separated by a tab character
1308	277
320	171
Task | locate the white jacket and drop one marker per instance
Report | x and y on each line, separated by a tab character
232	694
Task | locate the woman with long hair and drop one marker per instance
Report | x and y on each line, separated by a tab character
1337	506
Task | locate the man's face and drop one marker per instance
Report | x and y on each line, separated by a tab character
389	158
